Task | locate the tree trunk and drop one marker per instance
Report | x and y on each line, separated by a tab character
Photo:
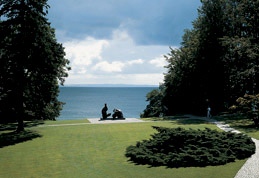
20	126
19	104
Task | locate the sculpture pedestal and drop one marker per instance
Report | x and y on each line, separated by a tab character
102	119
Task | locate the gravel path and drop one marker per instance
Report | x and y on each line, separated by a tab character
110	121
251	167
97	121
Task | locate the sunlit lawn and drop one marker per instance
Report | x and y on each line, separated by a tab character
96	151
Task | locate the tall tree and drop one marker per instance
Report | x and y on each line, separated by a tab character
241	42
198	72
218	59
210	25
32	62
181	89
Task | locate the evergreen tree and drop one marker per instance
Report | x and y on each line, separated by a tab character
32	62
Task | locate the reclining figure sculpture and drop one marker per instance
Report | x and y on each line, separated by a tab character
117	113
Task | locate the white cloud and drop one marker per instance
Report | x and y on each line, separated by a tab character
115	66
121	35
116	61
136	61
117	78
82	53
158	62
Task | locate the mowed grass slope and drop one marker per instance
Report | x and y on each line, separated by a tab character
95	151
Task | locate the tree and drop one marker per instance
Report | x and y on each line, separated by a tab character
217	61
32	62
155	107
197	75
241	42
248	106
181	79
211	27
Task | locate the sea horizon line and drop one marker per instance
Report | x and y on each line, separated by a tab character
108	85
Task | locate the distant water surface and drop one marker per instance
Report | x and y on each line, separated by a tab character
87	102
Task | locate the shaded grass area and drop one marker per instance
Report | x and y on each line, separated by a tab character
13	126
8	135
12	138
180	120
241	123
96	151
166	118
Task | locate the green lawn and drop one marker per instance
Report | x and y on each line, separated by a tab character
95	151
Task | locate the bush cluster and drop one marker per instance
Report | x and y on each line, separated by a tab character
248	106
179	147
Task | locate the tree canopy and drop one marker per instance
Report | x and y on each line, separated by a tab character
217	61
32	62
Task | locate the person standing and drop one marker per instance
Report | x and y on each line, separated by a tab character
208	112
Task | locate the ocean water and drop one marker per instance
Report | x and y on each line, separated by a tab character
87	102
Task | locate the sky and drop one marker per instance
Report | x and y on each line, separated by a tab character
120	41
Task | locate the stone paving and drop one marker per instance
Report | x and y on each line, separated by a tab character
110	121
251	167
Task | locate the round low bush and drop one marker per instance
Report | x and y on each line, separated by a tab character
179	147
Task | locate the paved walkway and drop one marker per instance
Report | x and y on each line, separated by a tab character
97	121
127	120
251	168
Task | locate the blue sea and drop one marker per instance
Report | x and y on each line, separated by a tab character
87	102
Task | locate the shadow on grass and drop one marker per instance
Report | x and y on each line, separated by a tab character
190	121
12	138
13	126
8	135
248	128
181	119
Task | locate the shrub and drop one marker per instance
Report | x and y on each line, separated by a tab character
179	147
248	106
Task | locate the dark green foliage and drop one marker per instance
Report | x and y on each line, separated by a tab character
248	106
178	147
217	61
32	62
154	108
196	74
